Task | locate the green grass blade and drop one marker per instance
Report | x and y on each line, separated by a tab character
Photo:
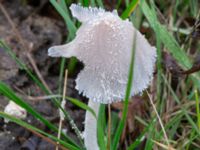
127	95
81	105
182	108
6	91
36	80
159	68
61	74
22	66
55	101
166	38
64	12
173	124
70	24
93	3
60	6
28	126
71	65
197	108
85	3
114	123
192	137
137	142
131	7
141	137
100	3
118	4
63	4
194	4
151	133
101	125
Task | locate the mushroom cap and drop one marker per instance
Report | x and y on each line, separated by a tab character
104	44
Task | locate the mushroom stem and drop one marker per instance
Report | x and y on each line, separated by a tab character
90	133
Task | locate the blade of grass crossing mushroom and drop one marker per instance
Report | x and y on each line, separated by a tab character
101	125
6	91
109	127
127	95
126	14
32	128
131	7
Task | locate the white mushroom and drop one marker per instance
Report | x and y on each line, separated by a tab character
104	43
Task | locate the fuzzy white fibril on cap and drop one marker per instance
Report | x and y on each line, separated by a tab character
15	110
104	44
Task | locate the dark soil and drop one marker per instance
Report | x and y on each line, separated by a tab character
40	27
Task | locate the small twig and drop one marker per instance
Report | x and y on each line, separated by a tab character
32	61
39	98
63	102
159	119
35	98
24	45
12	24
